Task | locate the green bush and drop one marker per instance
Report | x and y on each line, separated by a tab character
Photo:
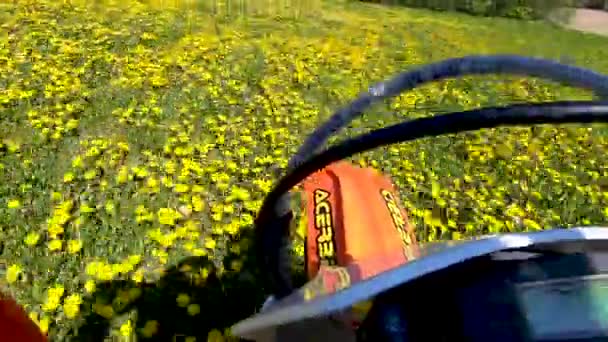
521	9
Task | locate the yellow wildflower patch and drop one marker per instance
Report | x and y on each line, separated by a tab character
137	135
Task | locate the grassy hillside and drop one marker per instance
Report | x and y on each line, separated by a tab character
138	136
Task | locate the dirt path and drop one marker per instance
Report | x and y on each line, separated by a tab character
586	20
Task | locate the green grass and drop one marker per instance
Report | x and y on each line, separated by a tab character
118	116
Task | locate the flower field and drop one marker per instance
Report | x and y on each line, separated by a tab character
137	142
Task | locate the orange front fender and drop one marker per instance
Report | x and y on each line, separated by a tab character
15	325
354	216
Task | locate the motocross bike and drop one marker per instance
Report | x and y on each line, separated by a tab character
369	278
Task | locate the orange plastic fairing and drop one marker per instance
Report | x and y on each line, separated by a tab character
354	215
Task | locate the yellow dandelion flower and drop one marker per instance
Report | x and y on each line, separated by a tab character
194	309
77	162
56	291
32	239
199	252
150	328
181	188
134	259
166	240
71	305
53	299
532	224
126	329
90	286
90	175
168	216
12	145
123	175
106	272
74	246
68	177
64	208
181	232
140	210
205	273
12	273
93	268
141	173
103	185
215	336
217	216
13	204
210	243
166	181
170	167
197	203
56	196
85	208
149	217
183	300
55	229
109	206
55	245
123	146
151	182
163	257
71	124
43	324
138	276
120	268
93	152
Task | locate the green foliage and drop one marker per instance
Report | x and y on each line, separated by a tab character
520	9
137	144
